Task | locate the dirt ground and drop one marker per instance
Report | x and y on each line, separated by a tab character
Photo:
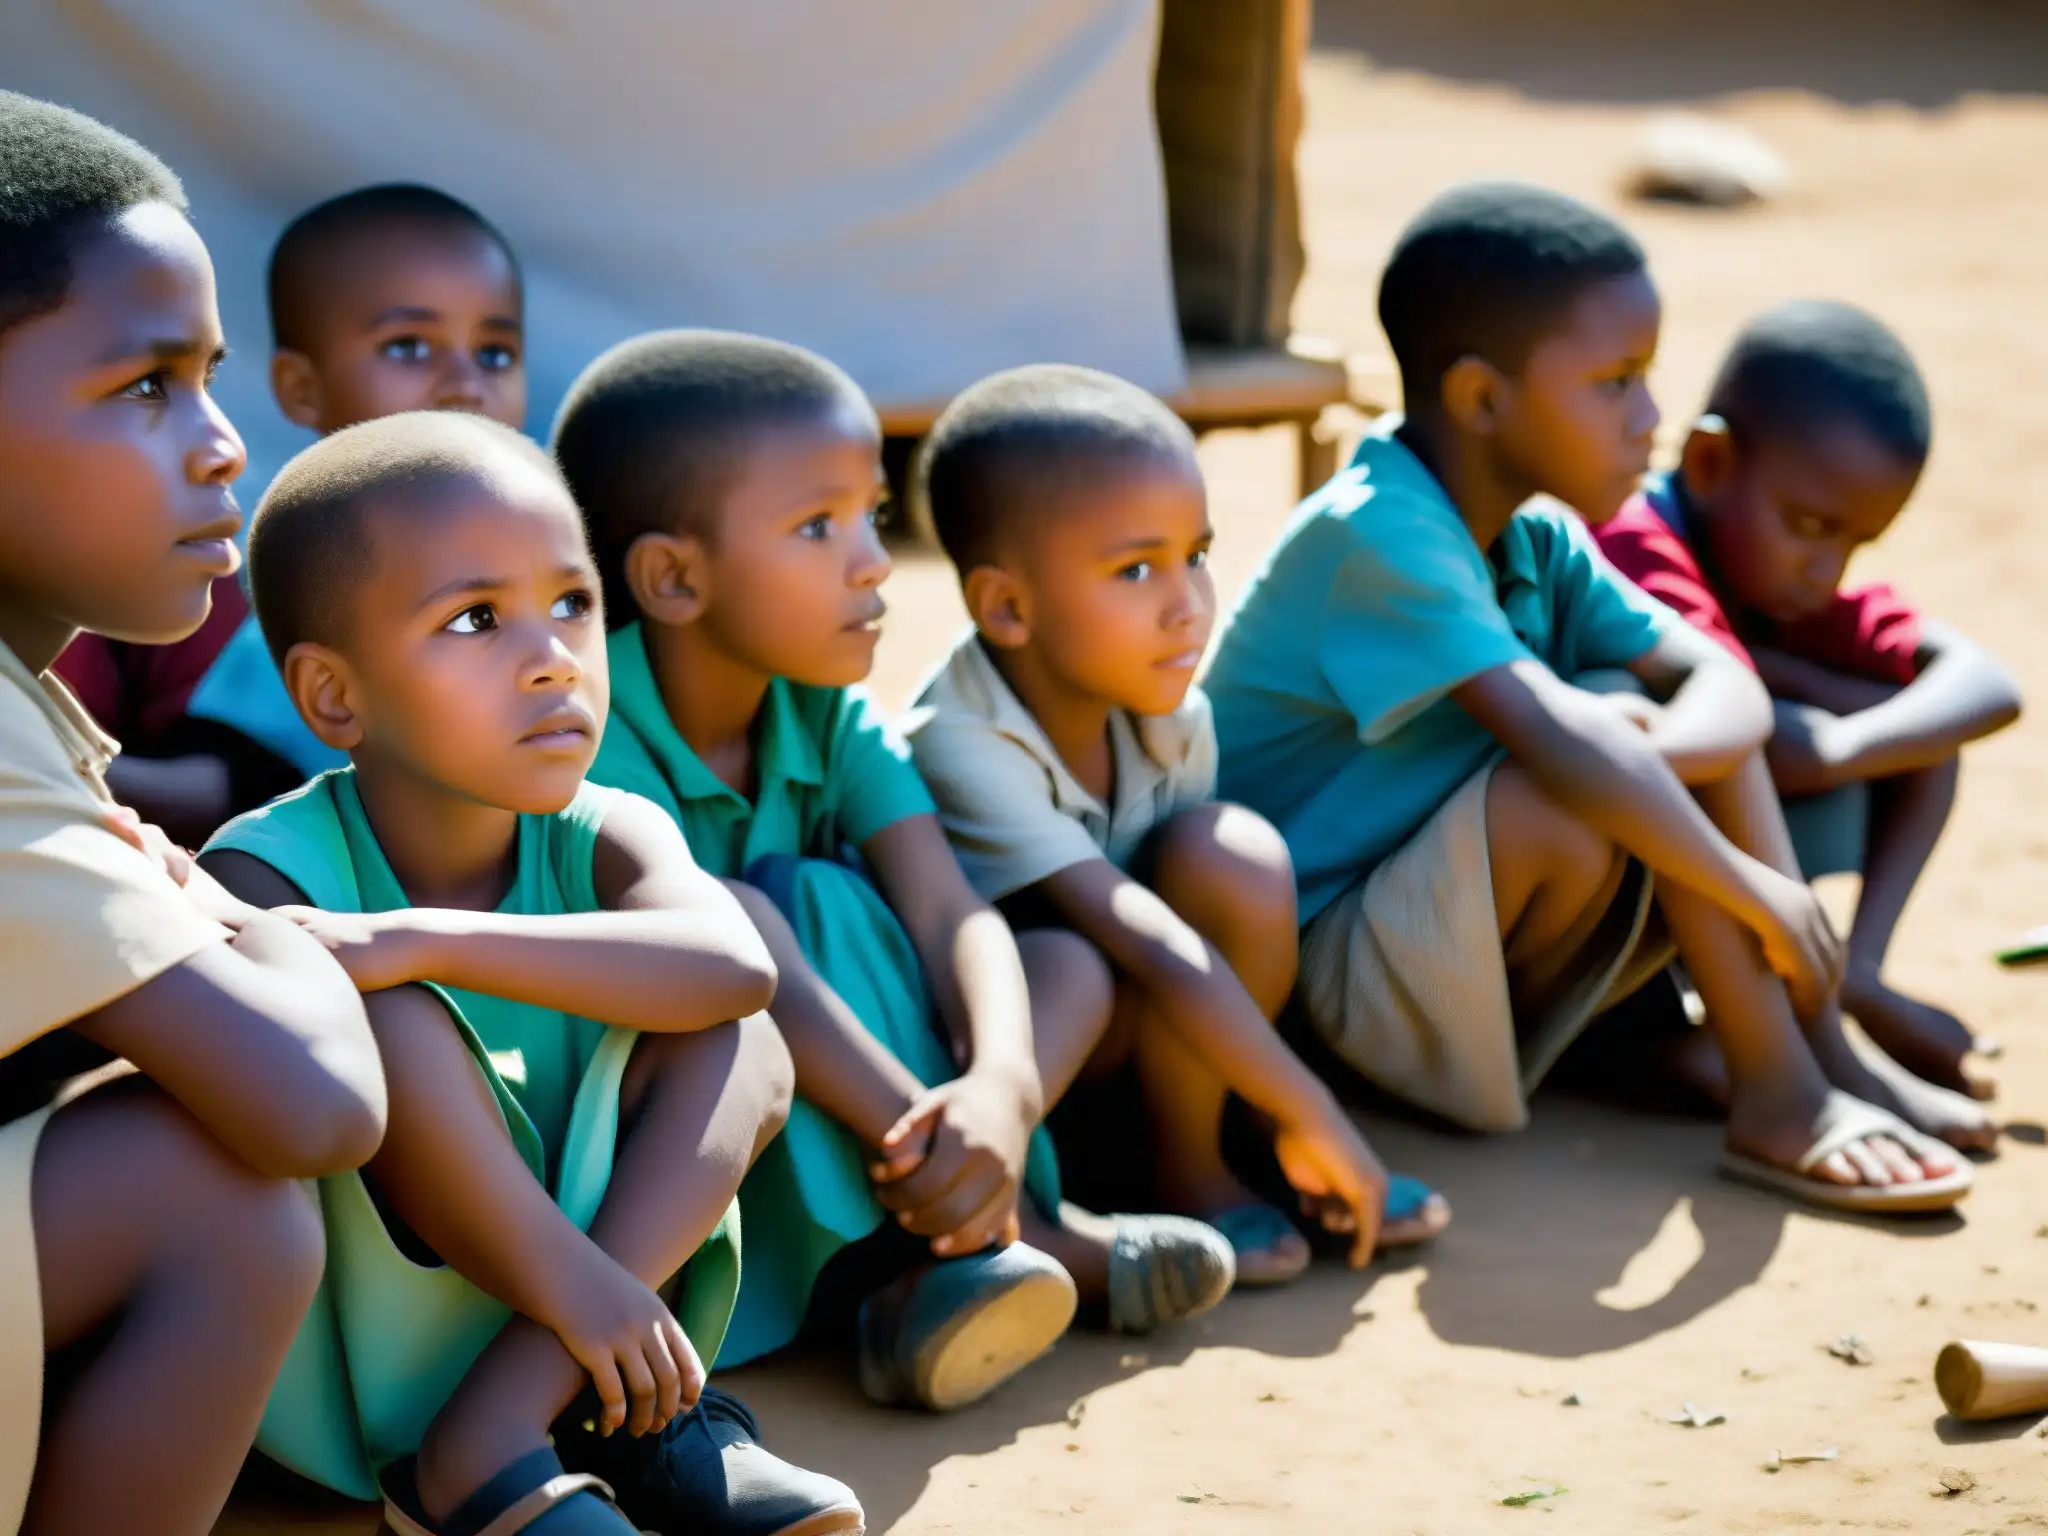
1596	1254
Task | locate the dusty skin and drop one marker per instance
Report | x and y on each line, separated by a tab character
1598	1255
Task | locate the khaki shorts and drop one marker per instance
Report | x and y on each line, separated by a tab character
1404	977
21	1318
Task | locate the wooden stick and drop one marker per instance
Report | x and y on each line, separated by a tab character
1979	1380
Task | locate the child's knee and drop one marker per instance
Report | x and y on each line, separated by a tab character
1533	841
1228	863
768	1070
1068	975
261	1238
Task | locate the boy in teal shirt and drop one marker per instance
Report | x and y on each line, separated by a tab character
1478	841
730	485
552	983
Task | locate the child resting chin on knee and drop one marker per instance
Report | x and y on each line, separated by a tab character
1074	764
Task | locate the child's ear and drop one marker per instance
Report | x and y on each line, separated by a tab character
297	387
1000	606
669	577
1470	392
1707	463
323	689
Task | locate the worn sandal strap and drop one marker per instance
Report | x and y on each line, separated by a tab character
1858	1122
517	1516
555	1490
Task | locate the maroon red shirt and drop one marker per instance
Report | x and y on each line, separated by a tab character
1870	632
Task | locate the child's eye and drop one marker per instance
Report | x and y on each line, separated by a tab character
473	621
406	349
817	529
154	387
571	605
496	359
1137	570
1198	559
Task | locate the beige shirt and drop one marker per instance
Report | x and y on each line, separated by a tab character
84	918
1014	811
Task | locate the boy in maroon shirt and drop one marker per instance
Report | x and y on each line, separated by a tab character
1816	431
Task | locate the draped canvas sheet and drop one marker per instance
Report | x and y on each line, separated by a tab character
923	190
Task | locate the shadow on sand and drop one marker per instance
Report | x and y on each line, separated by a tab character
1919	53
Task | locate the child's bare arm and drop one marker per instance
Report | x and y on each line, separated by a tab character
840	1067
263	1039
1609	774
1714	711
1196	993
974	1130
1961	692
673	950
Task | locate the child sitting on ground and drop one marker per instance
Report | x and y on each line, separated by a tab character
1074	765
153	1242
385	299
1479	842
1815	434
730	484
553	984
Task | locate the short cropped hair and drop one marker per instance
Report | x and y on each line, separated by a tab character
310	543
61	173
653	433
1007	448
1814	364
297	263
1487	270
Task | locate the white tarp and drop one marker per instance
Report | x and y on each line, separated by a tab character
924	190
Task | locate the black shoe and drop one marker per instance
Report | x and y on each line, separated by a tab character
707	1472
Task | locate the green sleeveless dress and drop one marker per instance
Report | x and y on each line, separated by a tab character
387	1340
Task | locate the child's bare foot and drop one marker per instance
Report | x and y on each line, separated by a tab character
1832	1149
1925	1040
1862	1068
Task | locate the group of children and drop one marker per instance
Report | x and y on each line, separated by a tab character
615	920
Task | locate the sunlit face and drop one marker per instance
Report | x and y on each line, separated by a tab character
115	463
1115	585
1781	519
476	645
1578	421
794	566
412	316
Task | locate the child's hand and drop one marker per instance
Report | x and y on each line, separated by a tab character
1334	1172
1799	942
378	949
639	1359
206	893
952	1166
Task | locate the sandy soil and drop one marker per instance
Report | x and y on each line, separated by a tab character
1597	1254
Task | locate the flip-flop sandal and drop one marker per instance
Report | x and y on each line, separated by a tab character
531	1490
1165	1269
1268	1247
1850	1121
1407	1199
951	1333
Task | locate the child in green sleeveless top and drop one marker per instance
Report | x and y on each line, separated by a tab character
730	484
553	985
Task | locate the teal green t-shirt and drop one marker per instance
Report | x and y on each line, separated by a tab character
1331	680
832	773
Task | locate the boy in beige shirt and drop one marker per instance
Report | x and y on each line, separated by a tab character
1074	765
150	1227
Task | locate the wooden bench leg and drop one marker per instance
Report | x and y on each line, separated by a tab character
1316	455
